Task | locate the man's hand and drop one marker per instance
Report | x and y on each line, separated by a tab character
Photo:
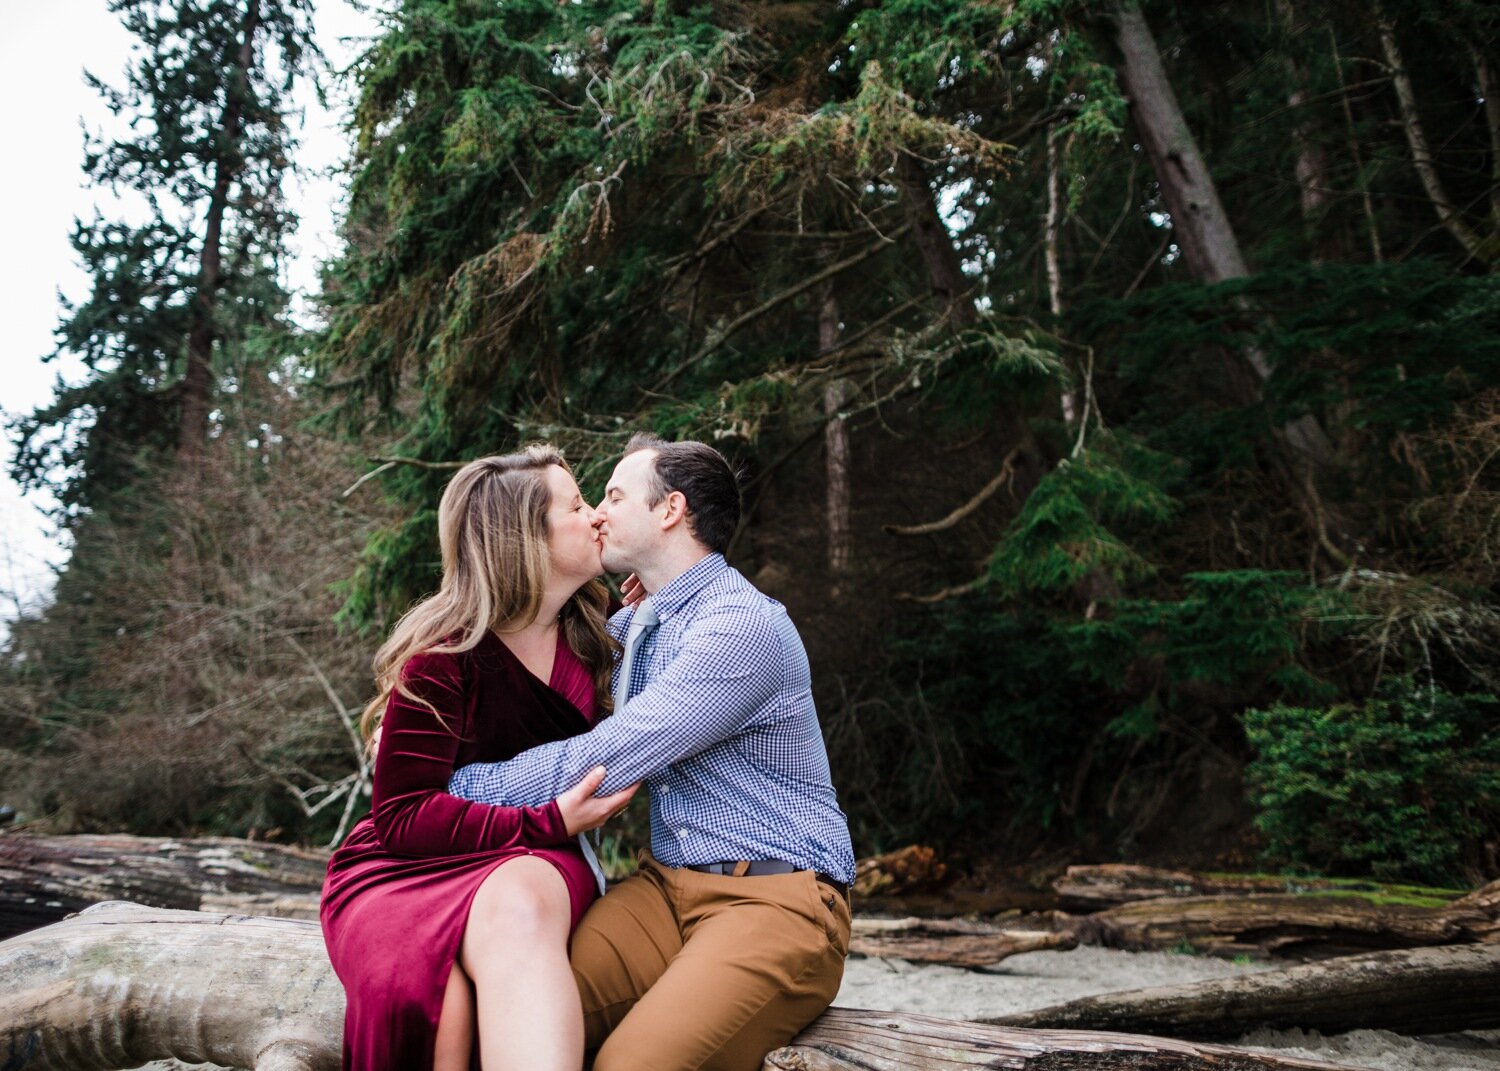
632	590
582	810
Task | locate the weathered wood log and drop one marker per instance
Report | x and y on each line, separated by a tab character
955	942
903	870
1307	925
1409	991
43	879
1098	887
122	984
846	1039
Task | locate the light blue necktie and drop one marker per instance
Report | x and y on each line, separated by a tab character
641	624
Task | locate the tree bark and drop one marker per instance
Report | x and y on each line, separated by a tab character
953	942
836	396
1311	166
1052	247
1308	925
1096	887
121	984
1421	152
1411	991
846	1039
1199	223
196	388
43	879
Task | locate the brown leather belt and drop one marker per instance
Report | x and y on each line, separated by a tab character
752	868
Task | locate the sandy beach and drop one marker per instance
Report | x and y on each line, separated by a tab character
1037	979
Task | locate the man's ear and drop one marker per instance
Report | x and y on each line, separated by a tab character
675	512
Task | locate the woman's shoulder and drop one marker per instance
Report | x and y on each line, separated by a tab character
441	664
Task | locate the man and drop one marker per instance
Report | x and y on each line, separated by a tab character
732	935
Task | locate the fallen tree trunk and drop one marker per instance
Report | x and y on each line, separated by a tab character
847	1039
1309	925
43	879
1102	886
121	984
954	942
1410	991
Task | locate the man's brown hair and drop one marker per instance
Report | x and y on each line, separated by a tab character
705	479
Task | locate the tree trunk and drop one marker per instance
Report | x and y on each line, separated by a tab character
1421	153
1411	991
1052	245
953	942
1311	166
1199	223
835	443
1283	924
1490	90
945	271
1096	887
197	382
846	1039
43	879
120	985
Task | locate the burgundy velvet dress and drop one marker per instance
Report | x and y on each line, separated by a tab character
397	895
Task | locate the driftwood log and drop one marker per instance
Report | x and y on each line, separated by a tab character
44	879
1305	925
845	1039
1410	991
120	985
955	942
1100	886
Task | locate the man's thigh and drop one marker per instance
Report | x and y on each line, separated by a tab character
621	947
752	972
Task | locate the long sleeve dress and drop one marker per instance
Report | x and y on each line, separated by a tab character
397	894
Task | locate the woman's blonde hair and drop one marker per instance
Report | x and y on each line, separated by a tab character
492	527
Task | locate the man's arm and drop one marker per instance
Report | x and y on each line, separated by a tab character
729	666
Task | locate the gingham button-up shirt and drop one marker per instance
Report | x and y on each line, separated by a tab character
719	723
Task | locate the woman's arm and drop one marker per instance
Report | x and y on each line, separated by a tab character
413	812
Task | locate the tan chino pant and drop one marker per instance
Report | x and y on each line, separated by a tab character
681	970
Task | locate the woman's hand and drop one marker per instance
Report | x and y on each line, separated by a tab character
632	590
581	810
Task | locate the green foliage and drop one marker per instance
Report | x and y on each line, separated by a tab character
1404	783
1060	537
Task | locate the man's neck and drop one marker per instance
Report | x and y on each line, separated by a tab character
673	563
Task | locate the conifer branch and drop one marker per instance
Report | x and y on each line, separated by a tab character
720	337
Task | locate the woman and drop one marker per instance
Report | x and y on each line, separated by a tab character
443	915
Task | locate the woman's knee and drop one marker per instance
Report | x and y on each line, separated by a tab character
523	899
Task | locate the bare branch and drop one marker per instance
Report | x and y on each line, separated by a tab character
1002	478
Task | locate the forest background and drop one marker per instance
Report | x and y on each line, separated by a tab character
1117	388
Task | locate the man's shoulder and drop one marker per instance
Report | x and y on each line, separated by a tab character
731	589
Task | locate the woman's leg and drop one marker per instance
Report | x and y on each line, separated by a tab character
455	1033
515	949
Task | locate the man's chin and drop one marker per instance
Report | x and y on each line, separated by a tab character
612	563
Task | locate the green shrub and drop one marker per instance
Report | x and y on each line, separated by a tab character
1404	783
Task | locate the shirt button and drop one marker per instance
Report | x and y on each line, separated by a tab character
682	834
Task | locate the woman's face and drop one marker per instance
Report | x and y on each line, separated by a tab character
572	541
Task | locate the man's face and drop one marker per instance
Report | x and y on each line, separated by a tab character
629	528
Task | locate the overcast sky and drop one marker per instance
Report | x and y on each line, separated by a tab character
44	49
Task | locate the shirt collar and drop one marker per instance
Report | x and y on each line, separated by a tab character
677	591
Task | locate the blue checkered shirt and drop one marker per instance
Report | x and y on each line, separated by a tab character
720	724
